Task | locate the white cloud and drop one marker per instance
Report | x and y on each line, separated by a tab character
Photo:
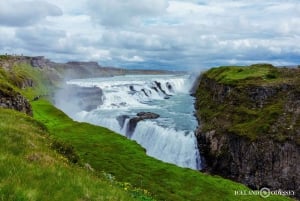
154	33
132	59
122	13
24	13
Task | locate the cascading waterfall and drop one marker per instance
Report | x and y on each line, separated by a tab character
168	144
170	137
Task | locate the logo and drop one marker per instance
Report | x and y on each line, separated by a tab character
265	192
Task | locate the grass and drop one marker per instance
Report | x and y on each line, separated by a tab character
30	170
5	86
256	74
17	79
23	73
127	161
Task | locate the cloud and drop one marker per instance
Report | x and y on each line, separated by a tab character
121	13
40	38
132	59
24	13
169	34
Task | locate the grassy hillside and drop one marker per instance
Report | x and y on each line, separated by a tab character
254	101
31	167
257	74
31	170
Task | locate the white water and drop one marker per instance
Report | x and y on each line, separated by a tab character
169	138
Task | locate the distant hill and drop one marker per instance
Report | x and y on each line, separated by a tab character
73	69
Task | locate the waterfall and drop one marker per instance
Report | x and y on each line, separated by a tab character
167	144
170	137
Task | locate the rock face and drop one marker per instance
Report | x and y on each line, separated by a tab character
14	100
133	121
250	132
121	120
140	116
37	62
264	163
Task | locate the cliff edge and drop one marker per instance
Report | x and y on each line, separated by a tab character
250	125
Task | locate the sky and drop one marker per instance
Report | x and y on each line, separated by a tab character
154	34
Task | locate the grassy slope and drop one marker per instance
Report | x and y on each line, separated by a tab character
30	170
242	118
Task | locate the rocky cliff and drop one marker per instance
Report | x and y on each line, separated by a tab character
250	125
8	61
11	83
13	100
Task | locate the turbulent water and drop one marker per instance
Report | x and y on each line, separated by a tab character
170	137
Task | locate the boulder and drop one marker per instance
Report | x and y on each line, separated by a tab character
139	117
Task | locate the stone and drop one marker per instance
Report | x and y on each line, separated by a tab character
139	117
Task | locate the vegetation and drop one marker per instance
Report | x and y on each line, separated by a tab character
30	170
238	113
257	74
51	157
31	82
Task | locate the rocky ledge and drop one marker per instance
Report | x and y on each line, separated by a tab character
250	125
13	100
133	121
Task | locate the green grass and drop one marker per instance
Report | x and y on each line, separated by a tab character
257	74
41	83
18	78
127	161
5	86
30	170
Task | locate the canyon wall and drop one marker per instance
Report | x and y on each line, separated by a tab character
250	125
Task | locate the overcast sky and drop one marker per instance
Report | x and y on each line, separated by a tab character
183	34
